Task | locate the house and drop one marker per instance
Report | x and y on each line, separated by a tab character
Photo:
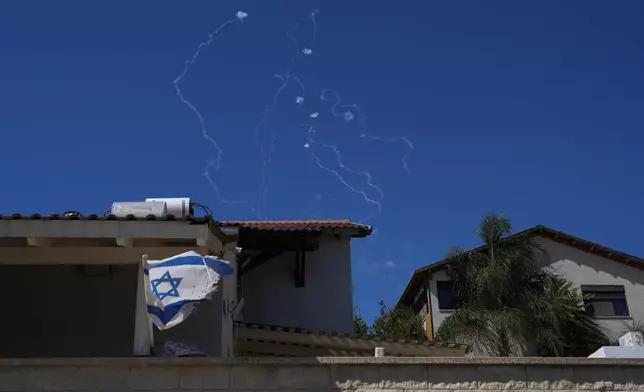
72	286
615	280
295	281
297	273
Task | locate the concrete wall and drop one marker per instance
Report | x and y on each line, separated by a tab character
583	268
323	374
325	303
55	311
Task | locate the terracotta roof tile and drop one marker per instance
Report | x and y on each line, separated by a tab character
190	218
275	225
300	225
351	336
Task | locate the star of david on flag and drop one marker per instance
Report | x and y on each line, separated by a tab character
174	286
166	278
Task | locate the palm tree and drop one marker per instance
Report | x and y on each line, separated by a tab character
511	303
570	331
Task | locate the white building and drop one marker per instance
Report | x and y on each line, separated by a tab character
72	287
298	273
615	279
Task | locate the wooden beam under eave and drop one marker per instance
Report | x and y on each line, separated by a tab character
125	242
259	259
209	240
300	269
429	324
39	242
26	255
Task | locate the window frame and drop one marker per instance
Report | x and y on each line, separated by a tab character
606	293
453	298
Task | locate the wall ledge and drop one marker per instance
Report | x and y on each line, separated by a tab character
320	361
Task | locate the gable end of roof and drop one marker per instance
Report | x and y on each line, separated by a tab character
417	279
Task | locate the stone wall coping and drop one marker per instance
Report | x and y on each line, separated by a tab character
320	361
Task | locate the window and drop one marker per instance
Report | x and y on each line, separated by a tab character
605	301
447	299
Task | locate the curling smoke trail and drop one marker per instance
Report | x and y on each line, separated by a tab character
285	78
361	192
216	163
348	113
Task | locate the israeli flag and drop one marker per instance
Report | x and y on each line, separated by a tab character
174	286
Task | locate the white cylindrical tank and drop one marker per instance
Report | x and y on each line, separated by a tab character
138	208
177	206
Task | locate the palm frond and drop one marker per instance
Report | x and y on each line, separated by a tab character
511	299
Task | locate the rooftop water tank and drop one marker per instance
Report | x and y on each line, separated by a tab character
176	206
139	209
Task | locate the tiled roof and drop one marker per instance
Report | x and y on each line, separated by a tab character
352	336
356	229
301	225
189	218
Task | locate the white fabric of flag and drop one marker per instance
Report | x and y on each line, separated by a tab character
174	286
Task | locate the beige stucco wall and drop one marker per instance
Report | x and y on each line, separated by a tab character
438	315
583	268
323	374
55	311
325	303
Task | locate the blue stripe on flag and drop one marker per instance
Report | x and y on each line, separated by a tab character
220	266
169	311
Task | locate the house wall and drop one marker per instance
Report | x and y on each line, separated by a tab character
438	315
323	374
55	311
229	302
325	303
202	329
583	268
210	327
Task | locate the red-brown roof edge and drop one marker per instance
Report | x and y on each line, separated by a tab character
355	229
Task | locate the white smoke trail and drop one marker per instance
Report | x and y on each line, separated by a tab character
348	113
266	153
361	192
216	163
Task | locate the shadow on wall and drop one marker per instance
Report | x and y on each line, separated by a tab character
557	252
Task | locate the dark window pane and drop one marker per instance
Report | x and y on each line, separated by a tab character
605	300
620	308
446	296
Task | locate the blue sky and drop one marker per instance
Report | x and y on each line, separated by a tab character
532	109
